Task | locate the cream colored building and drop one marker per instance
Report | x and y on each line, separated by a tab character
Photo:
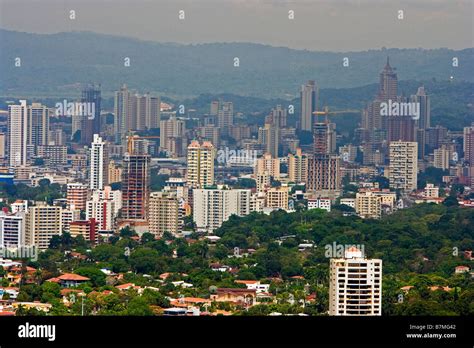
355	285
262	181
368	205
164	214
431	191
298	167
277	197
115	173
200	169
268	164
42	223
403	165
442	156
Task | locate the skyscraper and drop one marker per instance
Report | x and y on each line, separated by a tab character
324	177
424	121
38	125
148	112
172	132
122	109
468	145
401	128
90	124
279	116
403	172
200	164
225	116
135	186
388	85
17	133
355	284
272	135
98	164
323	167
309	100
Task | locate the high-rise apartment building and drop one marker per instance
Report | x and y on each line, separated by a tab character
309	100
135	186
355	284
269	164
90	124
115	172
272	138
164	213
225	117
102	209
403	170
368	205
77	195
468	144
172	136
424	120
17	133
401	128
38	125
88	229
277	197
442	156
211	207
42	223
98	173
122	112
148	112
200	164
53	155
324	177
298	167
12	230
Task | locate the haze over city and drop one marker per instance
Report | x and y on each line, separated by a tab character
340	25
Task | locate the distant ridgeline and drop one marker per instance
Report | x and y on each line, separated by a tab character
56	65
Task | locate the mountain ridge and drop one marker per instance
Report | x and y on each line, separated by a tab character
64	61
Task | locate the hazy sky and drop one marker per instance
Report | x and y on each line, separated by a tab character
331	25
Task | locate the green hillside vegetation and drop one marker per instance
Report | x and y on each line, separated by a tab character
56	65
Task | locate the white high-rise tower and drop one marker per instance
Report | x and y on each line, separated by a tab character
355	284
98	164
17	133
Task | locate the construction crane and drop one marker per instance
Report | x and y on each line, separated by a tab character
132	138
326	112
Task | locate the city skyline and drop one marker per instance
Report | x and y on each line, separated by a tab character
146	179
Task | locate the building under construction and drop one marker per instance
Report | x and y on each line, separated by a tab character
135	186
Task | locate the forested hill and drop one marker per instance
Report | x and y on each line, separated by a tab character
56	65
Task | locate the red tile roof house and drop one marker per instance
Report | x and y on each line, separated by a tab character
128	286
238	296
69	280
461	269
